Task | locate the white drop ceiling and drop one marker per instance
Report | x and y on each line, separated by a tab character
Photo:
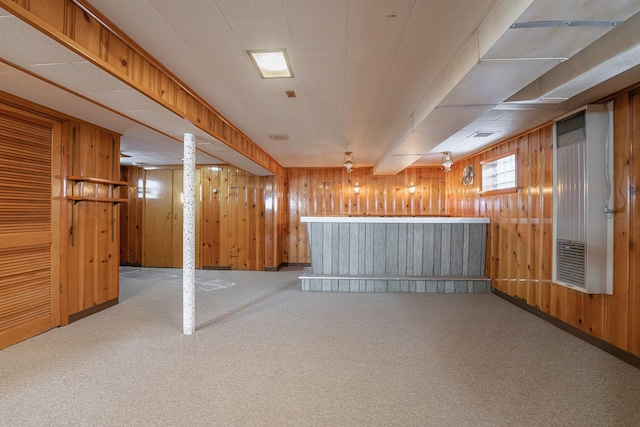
394	81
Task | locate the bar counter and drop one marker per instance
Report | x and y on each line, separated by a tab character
396	254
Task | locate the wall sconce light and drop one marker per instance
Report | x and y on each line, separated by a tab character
447	161
412	189
348	161
356	189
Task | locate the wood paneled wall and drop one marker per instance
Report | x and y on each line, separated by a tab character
233	219
91	245
84	248
240	222
274	221
131	216
520	236
328	192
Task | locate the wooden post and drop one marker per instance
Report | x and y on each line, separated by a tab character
188	236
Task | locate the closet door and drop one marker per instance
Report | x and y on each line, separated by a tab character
29	226
158	218
177	202
162	229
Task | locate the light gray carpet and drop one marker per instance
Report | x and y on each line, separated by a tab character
267	354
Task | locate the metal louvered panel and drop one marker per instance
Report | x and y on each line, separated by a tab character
571	205
582	200
571	262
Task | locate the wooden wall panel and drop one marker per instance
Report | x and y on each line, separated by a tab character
617	325
225	215
328	192
131	217
210	216
519	238
271	218
92	245
246	221
231	226
634	224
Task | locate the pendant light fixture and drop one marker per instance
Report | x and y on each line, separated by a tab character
447	161
348	161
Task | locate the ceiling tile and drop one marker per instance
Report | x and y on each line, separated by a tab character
234	70
434	37
34	47
371	67
379	35
250	11
102	77
296	10
69	75
319	37
326	89
320	67
380	8
268	117
248	92
197	13
212	42
263	35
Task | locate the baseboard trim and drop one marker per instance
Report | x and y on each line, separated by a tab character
92	310
621	354
216	267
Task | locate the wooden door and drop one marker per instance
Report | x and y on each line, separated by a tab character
158	218
163	218
176	235
29	225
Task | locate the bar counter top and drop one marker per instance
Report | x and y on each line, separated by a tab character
396	219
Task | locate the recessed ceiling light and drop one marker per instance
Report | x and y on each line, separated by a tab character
271	64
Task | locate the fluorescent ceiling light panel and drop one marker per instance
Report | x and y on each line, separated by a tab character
271	64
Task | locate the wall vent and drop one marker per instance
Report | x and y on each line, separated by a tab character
582	196
280	137
571	265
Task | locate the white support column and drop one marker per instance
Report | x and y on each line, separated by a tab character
188	236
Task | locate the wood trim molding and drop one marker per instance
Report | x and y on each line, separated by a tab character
92	310
95	38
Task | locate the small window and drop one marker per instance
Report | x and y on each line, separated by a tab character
499	174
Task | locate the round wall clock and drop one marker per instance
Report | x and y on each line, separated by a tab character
467	175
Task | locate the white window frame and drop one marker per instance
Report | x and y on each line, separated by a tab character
499	174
